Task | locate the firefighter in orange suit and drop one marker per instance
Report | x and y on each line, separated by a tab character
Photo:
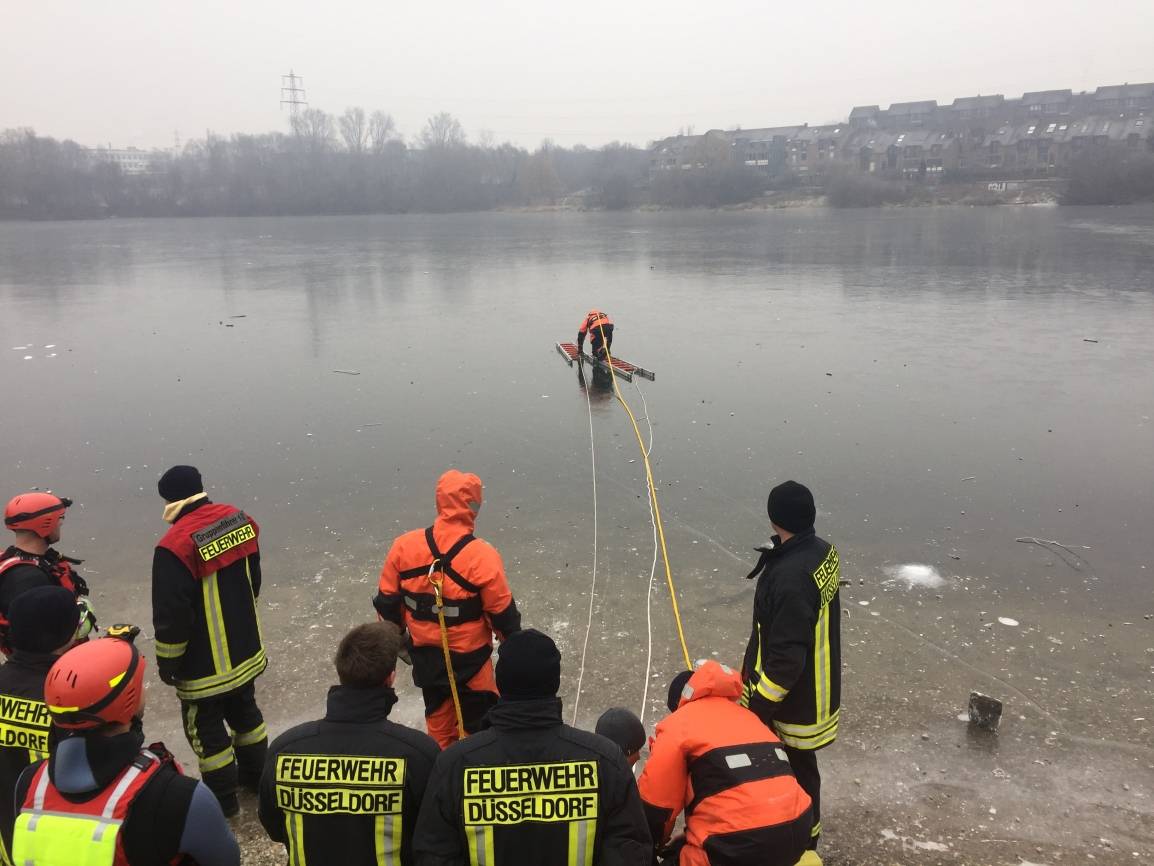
719	763
599	327
445	566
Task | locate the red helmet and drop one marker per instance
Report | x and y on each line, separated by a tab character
96	684
35	512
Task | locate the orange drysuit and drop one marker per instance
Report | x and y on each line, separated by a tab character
593	320
599	327
476	600
729	772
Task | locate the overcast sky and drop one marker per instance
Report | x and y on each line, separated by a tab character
131	72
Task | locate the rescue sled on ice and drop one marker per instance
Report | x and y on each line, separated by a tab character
624	369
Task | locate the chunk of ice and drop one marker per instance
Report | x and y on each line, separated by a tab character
915	574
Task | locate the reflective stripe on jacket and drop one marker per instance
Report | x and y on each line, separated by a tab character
52	830
205	580
24	727
532	790
720	764
346	789
792	667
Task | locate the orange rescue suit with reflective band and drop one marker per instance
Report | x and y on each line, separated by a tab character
717	761
211	538
474	588
593	320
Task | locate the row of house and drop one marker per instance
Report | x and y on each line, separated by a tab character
1124	100
1037	135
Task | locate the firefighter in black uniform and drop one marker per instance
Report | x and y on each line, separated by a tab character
346	789
42	626
205	581
792	667
531	789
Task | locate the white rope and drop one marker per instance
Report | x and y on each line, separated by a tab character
652	571
593	585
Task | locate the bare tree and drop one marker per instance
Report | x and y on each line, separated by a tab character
382	130
442	131
315	129
354	129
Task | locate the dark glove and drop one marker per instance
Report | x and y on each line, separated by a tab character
671	852
168	670
760	706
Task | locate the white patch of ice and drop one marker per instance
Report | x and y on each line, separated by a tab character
27	357
913	844
1005	620
916	574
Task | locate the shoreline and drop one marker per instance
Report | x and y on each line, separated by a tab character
1028	194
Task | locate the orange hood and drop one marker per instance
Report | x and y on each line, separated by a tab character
458	499
712	680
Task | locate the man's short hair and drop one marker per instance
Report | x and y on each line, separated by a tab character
368	654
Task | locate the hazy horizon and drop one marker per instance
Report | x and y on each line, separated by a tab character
526	72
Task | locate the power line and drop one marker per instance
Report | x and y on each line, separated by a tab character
292	94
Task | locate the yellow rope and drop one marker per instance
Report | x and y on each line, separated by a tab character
445	648
652	497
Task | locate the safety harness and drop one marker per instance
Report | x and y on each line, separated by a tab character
427	606
431	607
58	567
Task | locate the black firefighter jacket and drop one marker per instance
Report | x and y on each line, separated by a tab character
531	789
208	637
792	667
346	789
24	729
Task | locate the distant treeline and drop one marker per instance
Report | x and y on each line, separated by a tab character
354	163
359	163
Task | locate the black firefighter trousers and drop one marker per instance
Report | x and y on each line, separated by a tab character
228	735
803	762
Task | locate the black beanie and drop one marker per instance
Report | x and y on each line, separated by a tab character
180	482
528	667
676	688
791	507
622	727
42	619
